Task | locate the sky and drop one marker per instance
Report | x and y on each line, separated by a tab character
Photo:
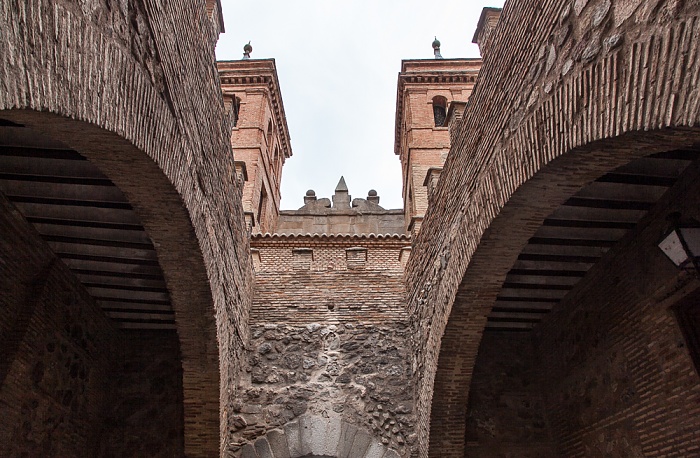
338	64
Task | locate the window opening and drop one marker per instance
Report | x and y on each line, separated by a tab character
439	110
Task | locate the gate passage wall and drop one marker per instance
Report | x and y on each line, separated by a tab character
132	86
557	78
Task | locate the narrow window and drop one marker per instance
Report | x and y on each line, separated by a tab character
236	108
261	207
269	135
439	110
277	167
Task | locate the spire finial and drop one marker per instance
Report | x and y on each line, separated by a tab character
341	187
247	49
436	48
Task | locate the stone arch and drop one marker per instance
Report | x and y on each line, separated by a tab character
168	224
318	436
555	122
154	124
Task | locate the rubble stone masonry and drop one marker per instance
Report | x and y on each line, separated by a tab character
329	336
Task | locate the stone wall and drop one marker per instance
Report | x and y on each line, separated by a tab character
341	215
328	339
559	77
56	350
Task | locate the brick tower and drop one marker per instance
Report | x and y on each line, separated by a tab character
431	94
260	137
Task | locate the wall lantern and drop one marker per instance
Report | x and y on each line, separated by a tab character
682	245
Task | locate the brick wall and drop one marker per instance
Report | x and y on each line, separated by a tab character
618	373
133	87
506	414
558	77
144	415
71	384
56	348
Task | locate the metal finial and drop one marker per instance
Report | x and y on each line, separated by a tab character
436	48
247	49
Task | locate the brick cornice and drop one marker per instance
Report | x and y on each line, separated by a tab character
323	240
258	73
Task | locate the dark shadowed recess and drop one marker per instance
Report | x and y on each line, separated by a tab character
578	234
89	225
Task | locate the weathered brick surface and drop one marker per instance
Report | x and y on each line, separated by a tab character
559	78
133	87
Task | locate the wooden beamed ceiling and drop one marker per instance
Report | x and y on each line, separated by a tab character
89	225
578	234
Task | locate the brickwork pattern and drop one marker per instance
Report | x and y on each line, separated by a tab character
578	72
55	348
140	97
144	412
506	413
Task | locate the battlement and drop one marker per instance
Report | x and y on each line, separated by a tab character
341	215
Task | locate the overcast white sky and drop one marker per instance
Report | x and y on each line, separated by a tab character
337	63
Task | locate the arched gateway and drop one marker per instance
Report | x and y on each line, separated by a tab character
114	171
547	215
313	436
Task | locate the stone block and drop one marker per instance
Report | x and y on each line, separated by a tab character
360	444
248	451
347	437
391	454
320	435
291	431
278	443
262	447
375	450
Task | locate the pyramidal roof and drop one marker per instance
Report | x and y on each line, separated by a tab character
341	187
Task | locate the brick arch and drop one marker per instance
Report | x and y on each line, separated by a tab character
612	89
498	250
318	436
150	116
168	224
